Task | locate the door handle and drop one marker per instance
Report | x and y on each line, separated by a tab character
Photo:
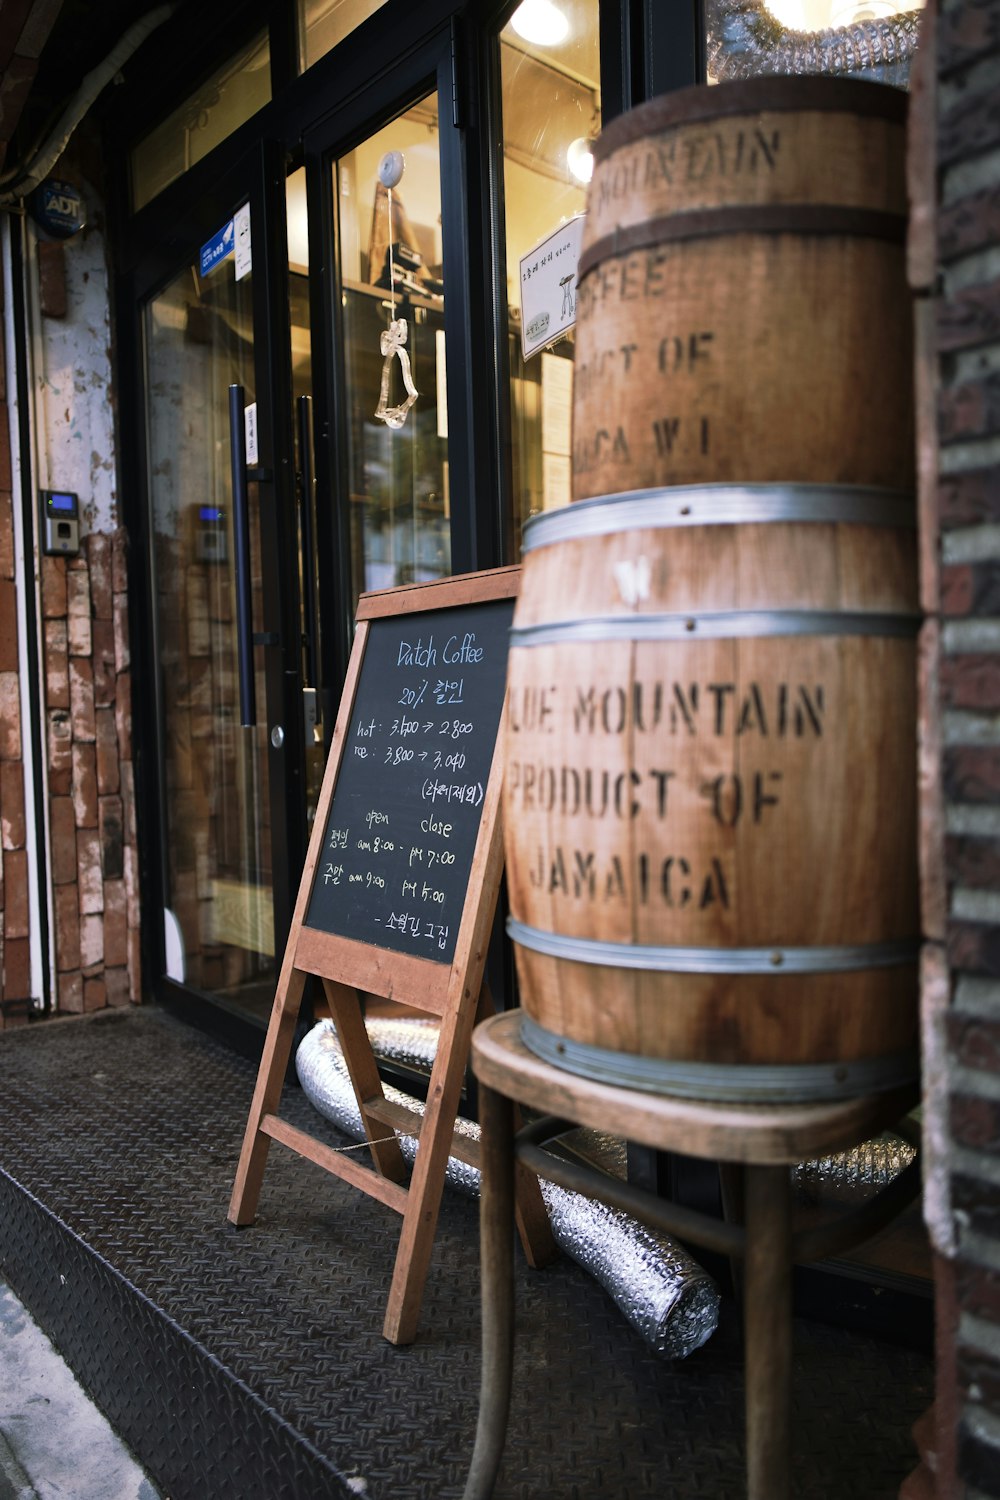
241	544
303	408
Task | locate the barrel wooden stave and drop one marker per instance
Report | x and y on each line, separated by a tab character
751	566
743	317
661	162
743	310
822	852
801	840
798	1021
770	357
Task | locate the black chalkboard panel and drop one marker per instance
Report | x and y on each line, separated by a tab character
401	831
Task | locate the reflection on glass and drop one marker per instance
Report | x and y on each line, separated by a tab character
224	102
550	70
216	830
325	23
873	39
391	259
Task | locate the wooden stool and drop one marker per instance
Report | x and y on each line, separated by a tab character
762	1140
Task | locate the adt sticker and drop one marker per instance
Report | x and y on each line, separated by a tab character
58	208
217	249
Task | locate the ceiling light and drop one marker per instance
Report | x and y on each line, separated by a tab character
580	158
541	22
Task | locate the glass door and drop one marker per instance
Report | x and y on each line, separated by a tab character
392	295
226	622
388	182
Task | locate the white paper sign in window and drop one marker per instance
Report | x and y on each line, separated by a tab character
242	249
548	287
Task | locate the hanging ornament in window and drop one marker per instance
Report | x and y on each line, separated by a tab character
392	341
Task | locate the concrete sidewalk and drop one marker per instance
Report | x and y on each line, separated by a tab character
54	1442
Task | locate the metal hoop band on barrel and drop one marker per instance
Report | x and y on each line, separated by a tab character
681	960
720	505
750	96
721	625
772	218
751	1083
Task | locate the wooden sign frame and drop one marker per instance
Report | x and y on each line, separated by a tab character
454	992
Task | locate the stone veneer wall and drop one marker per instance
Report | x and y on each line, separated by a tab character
90	776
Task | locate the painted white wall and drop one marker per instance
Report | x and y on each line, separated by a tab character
74	416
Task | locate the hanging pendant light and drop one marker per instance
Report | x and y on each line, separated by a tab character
540	22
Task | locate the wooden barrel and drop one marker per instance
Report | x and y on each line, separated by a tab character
710	795
743	313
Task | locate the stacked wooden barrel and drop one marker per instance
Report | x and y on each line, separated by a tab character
711	753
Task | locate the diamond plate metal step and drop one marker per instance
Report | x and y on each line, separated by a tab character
250	1363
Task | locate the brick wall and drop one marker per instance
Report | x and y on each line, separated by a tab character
956	270
91	789
208	771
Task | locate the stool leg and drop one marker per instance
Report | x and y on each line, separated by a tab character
768	1326
496	1235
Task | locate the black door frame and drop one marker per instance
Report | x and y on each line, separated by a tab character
258	178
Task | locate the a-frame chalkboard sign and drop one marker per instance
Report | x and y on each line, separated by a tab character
398	896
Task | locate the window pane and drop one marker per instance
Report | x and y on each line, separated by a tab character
873	39
397	468
325	23
223	103
551	111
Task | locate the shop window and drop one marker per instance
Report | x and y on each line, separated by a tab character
393	293
551	112
323	24
223	103
873	39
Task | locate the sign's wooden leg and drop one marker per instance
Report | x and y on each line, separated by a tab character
267	1094
430	1164
345	1007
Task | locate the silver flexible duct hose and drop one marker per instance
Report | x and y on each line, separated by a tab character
850	1176
664	1294
25	178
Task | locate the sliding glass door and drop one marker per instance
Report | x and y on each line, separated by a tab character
224	587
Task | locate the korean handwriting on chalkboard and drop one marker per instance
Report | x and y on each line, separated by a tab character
417	927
